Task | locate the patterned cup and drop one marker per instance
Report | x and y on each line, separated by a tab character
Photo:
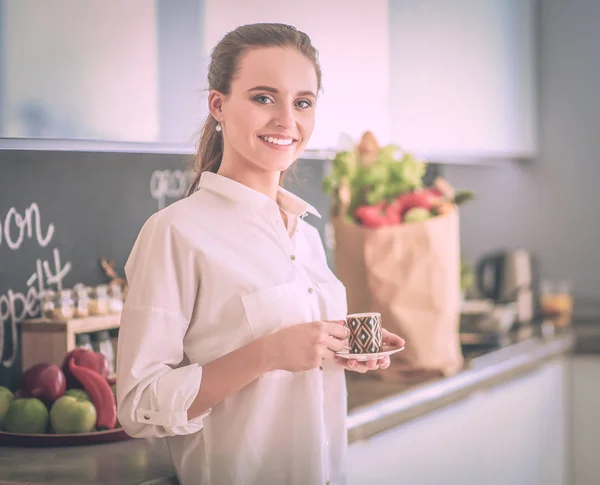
365	333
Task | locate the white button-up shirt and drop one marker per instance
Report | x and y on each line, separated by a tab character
207	275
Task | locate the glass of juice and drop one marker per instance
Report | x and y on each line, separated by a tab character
556	302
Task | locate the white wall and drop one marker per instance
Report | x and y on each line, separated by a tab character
551	205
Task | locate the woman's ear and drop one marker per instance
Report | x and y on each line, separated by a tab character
215	104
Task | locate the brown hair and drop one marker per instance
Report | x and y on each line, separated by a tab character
223	67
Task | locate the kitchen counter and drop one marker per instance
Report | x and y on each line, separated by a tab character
127	462
374	406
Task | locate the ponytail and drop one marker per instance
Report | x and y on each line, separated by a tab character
210	151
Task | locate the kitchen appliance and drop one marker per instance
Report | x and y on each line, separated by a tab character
484	324
510	276
485	316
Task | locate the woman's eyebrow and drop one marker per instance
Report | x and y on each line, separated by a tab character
272	90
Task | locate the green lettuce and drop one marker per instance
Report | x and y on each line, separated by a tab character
392	173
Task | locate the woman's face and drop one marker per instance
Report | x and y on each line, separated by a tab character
269	115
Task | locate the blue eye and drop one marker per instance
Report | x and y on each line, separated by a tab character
303	103
263	99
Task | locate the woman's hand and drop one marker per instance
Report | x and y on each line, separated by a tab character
383	363
304	346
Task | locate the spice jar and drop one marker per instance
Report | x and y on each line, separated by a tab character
82	302
48	303
98	303
116	298
101	343
64	308
83	340
114	339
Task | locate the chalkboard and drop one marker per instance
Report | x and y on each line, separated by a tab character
60	212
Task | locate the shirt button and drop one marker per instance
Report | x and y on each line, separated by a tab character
310	290
146	416
293	257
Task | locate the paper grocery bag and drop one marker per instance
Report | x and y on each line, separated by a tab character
410	273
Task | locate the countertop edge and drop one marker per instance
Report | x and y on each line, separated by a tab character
483	372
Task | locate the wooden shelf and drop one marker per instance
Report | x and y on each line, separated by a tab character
48	340
74	325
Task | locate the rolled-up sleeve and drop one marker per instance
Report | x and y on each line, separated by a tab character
154	391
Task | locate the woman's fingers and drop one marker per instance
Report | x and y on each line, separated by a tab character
336	344
329	355
337	329
352	364
391	339
362	367
347	363
335	336
374	364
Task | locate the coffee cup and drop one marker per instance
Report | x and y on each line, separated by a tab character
365	333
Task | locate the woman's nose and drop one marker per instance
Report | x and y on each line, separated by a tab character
285	117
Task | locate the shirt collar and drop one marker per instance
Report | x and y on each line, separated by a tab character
243	194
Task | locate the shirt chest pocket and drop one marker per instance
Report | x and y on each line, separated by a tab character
275	307
334	305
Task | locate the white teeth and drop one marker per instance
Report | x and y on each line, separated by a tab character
277	141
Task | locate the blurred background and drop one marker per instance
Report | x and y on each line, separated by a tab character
100	106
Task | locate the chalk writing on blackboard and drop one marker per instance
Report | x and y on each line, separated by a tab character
16	305
170	184
16	227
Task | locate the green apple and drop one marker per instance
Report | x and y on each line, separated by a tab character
78	394
6	397
26	415
416	214
72	415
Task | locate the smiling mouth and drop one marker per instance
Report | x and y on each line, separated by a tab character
278	142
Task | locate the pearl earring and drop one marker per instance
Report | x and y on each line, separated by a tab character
218	128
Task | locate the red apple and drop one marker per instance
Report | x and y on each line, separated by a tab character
43	381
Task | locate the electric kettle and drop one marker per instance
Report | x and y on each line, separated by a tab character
509	276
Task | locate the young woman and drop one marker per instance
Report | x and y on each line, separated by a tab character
229	331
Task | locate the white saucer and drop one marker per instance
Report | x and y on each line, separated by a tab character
387	350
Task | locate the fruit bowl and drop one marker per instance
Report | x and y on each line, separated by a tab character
62	406
55	440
